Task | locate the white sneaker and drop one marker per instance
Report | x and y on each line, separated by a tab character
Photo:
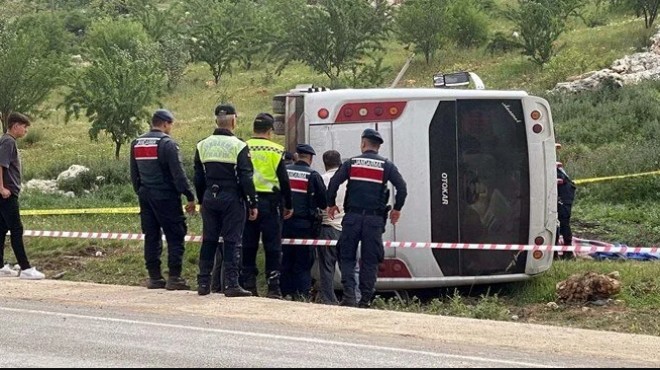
32	274
7	271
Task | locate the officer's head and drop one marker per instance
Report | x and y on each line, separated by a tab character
371	140
331	159
264	125
162	120
305	153
288	158
225	116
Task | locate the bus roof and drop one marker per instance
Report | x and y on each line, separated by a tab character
414	94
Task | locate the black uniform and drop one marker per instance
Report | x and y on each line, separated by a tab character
159	180
223	180
365	217
566	194
309	198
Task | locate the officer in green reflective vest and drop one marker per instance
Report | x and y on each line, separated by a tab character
223	180
272	184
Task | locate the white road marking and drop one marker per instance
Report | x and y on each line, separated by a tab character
278	337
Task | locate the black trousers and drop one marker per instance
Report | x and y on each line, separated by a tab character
158	214
297	260
10	220
268	228
223	216
367	231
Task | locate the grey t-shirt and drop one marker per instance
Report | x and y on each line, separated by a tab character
11	164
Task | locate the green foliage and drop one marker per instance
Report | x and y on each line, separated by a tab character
115	92
540	26
338	34
33	137
469	23
51	26
646	8
424	24
29	70
122	34
366	75
501	42
218	34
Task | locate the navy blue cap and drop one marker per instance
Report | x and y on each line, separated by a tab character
225	109
305	149
373	135
264	121
163	115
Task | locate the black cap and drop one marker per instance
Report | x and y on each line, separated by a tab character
264	121
225	109
373	135
288	156
305	149
163	115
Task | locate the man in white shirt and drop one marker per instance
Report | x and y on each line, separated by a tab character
330	230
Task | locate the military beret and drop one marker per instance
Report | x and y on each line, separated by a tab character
373	135
305	149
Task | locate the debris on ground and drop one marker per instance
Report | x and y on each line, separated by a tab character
588	287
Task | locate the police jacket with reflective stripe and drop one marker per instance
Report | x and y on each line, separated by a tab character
270	175
565	187
368	175
308	190
223	159
156	165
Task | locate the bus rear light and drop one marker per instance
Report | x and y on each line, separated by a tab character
539	240
323	113
536	115
370	112
393	268
537	128
537	255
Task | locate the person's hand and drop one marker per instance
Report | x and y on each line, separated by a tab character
253	214
6	193
394	216
190	207
332	211
288	213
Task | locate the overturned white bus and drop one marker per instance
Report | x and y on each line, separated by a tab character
480	168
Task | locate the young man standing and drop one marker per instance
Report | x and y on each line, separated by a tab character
10	187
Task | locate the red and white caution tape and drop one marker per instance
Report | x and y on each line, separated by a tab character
578	247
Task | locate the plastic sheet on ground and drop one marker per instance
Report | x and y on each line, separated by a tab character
610	256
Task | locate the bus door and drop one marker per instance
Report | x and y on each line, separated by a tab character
480	186
346	138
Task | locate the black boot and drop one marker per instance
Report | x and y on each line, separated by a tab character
232	288
249	281
176	283
274	291
204	277
158	283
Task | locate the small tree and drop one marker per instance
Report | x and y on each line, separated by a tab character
217	34
469	23
423	23
335	35
29	71
540	26
114	93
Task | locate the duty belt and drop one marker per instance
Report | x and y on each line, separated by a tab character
365	212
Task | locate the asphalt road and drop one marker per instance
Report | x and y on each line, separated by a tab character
59	324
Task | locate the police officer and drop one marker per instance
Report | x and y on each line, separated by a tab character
566	195
309	198
159	180
223	180
365	214
272	184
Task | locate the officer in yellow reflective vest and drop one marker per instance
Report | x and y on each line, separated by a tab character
223	180
272	184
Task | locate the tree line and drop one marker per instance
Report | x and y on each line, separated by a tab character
129	53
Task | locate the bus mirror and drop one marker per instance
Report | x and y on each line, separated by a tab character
278	126
457	79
